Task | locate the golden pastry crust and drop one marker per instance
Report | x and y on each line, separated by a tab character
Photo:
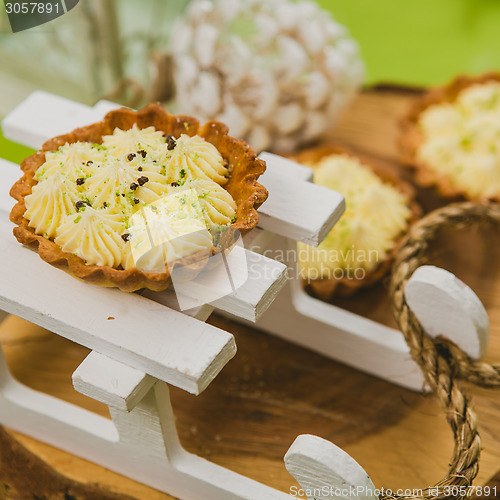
327	288
244	166
411	137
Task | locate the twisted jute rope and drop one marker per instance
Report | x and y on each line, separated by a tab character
444	364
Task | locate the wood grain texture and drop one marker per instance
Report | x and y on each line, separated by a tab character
273	391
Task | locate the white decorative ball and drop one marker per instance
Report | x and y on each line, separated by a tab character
277	72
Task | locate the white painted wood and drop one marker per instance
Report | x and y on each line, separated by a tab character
266	277
111	382
142	444
143	334
325	471
301	211
446	306
331	331
339	334
42	116
136	340
257	240
286	167
169	299
161	462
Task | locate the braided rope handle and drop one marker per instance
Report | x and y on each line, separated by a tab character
443	363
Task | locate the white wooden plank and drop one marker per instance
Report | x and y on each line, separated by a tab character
162	342
169	299
142	445
298	210
257	240
339	334
446	306
160	461
286	167
111	382
266	277
42	116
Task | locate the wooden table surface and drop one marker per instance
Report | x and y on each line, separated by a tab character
273	391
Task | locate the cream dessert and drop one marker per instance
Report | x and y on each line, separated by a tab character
377	214
461	140
124	201
94	200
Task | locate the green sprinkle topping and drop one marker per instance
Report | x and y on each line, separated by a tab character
78	219
183	173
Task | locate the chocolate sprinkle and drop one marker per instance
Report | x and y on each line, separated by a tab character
175	184
140	169
90	162
131	156
134	186
142	180
136	201
170	142
125	236
80	181
81	203
142	153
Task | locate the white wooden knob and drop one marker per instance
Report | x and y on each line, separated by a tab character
446	306
325	471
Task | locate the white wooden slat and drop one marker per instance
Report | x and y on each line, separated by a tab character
169	299
298	210
111	382
286	167
42	116
337	333
162	342
266	277
141	444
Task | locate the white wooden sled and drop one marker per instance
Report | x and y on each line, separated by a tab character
142	344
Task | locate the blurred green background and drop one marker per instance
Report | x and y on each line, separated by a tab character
422	42
405	42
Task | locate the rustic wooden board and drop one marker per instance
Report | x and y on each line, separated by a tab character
272	391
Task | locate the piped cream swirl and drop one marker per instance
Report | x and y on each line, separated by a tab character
94	235
194	158
376	214
49	203
134	139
